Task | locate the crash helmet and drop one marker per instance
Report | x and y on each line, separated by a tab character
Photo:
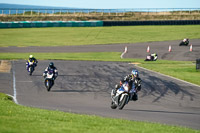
135	73
31	56
51	65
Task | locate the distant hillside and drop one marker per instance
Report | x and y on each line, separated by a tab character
17	6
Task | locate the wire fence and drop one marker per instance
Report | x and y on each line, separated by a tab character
62	12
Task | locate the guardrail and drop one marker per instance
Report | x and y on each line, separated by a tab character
61	12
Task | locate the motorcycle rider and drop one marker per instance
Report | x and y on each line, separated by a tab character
31	59
51	67
134	81
154	57
184	42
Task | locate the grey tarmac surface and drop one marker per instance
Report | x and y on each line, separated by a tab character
84	87
136	50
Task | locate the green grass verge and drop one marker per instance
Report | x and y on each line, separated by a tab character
61	36
185	70
20	119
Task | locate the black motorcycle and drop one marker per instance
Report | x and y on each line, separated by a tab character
184	42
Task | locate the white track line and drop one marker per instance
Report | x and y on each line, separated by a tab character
167	76
24	81
14	85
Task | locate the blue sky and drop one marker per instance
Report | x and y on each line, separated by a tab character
110	4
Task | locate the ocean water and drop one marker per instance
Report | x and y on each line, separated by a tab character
20	9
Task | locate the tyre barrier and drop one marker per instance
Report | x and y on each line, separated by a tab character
31	24
166	22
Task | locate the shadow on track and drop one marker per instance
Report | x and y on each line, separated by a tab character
166	112
160	88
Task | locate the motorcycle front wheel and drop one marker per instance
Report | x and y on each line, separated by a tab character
48	84
122	102
113	105
30	70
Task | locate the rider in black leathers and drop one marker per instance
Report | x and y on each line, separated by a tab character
184	42
134	81
51	67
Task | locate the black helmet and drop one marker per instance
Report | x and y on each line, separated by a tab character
51	65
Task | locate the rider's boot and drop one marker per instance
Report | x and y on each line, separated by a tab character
135	97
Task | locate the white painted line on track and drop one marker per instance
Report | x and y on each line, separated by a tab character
24	81
167	75
14	84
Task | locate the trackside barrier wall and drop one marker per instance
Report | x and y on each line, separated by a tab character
167	22
31	24
197	64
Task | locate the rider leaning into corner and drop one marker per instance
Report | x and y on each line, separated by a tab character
184	42
31	59
51	67
134	81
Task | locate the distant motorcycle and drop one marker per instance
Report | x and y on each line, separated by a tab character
121	97
49	80
185	42
30	67
151	57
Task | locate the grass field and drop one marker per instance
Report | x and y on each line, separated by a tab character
95	35
20	119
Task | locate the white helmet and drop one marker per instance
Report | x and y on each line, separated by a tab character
31	56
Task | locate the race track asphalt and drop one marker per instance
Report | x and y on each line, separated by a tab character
84	87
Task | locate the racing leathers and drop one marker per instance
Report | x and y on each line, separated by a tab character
154	57
54	70
33	60
134	83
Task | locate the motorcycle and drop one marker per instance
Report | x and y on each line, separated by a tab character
185	42
121	97
49	81
151	58
31	67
